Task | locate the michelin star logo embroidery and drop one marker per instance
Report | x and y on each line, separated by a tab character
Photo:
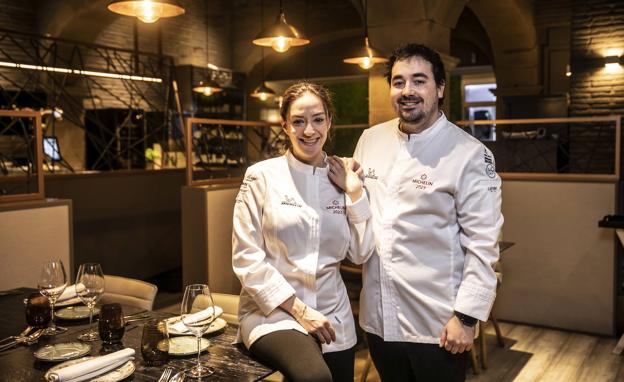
371	174
336	208
290	201
423	182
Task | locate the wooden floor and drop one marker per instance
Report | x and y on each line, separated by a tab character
537	354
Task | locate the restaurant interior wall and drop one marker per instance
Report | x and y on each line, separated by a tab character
598	31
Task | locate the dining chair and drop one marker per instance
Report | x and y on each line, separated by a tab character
127	291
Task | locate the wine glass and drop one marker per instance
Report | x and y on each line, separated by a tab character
52	283
89	288
197	298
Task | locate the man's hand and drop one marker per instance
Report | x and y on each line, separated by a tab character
457	337
343	172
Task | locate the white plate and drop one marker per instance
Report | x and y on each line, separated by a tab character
122	372
62	351
77	312
216	325
186	345
68	302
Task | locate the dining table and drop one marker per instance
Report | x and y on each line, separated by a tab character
230	361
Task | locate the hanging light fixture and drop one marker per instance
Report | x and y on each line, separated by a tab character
147	11
280	36
209	86
263	92
368	56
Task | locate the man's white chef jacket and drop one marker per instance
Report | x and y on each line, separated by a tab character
292	228
436	203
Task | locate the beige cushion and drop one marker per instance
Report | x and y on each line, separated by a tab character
128	291
227	302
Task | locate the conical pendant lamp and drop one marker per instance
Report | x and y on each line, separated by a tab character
208	86
262	92
368	56
147	11
280	36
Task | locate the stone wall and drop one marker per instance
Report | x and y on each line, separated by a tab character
597	31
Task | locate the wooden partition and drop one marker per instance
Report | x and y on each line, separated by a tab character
31	233
207	236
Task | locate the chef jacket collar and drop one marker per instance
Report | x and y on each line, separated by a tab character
305	168
432	130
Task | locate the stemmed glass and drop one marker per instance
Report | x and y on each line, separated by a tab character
196	298
89	288
52	283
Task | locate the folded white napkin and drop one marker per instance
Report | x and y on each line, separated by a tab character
195	317
68	293
91	368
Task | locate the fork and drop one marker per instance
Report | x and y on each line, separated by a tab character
164	377
29	340
22	334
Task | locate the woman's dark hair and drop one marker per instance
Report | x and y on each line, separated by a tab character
408	51
299	89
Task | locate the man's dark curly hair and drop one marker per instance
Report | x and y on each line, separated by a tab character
407	51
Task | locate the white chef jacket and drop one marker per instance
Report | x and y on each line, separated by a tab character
436	203
292	227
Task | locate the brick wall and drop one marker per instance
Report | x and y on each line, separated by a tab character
597	26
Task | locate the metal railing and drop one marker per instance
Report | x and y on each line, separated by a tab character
553	149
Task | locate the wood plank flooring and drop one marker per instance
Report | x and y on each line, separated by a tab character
534	354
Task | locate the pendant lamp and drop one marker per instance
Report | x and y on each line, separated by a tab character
208	86
147	11
280	36
368	56
263	92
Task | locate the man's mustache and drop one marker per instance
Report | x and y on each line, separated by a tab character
410	99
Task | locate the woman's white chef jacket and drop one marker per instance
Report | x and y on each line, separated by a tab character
292	227
436	203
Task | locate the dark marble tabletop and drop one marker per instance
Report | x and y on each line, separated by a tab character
231	362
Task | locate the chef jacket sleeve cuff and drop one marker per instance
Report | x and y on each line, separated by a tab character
474	301
358	211
276	292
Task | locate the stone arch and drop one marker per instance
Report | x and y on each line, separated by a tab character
511	28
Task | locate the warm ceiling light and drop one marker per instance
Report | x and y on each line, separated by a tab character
568	72
368	56
263	92
280	36
146	10
207	88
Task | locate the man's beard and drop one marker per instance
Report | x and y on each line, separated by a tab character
414	116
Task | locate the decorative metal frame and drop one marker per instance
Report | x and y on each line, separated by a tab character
48	64
36	164
584	123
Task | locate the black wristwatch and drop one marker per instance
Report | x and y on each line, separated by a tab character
466	319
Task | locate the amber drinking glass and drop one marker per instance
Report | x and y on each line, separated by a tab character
38	311
155	343
111	325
